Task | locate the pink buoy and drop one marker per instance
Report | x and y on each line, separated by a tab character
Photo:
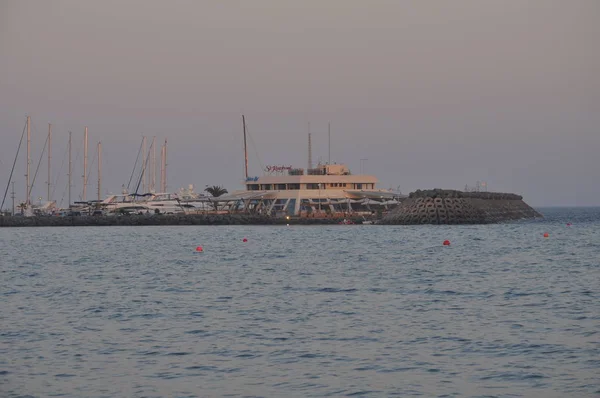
199	249
244	240
446	242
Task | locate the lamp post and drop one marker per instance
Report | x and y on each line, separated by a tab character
319	186
362	165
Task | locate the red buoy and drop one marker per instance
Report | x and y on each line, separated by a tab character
199	249
546	234
446	242
244	240
569	224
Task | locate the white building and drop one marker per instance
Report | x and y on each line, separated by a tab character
328	189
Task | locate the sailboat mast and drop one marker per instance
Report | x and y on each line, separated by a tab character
49	157
153	183
144	164
164	177
13	198
28	196
245	148
85	161
99	171
70	169
162	162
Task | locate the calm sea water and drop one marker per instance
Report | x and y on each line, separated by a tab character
303	311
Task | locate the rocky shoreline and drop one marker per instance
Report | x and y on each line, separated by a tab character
440	206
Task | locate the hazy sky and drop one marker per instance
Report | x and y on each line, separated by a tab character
432	93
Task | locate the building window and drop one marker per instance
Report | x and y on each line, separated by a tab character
358	186
253	187
280	187
293	186
266	187
312	186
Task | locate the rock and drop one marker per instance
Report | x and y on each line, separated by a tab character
438	206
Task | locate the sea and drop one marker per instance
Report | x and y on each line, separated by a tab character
303	311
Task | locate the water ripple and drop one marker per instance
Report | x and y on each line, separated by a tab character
303	311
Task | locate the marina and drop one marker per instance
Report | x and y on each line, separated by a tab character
324	191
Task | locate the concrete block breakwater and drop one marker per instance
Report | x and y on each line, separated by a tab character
439	206
175	219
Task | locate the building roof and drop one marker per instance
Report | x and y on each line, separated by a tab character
314	179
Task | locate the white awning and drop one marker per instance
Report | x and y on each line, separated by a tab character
243	195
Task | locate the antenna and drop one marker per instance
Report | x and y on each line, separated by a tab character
329	136
309	151
363	163
245	148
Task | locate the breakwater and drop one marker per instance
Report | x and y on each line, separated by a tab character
440	206
171	219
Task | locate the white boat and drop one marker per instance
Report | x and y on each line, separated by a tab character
186	201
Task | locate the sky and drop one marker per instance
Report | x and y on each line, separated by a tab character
433	94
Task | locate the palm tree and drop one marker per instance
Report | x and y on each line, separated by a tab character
216	191
22	206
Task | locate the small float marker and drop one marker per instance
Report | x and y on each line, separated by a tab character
569	224
446	242
199	249
546	235
245	240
